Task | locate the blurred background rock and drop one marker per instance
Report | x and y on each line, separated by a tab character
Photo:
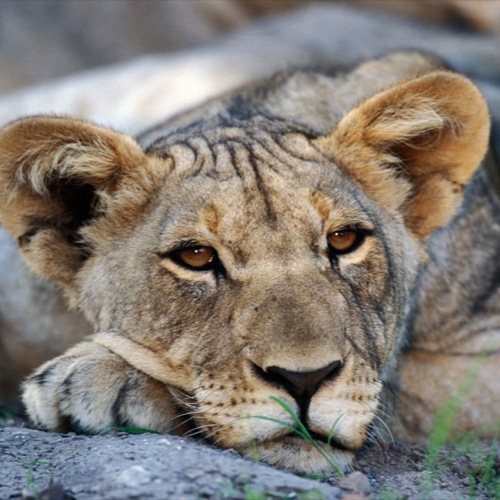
46	39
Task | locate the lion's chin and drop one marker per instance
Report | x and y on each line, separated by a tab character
294	453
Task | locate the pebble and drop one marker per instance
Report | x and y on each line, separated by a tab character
356	482
193	473
134	476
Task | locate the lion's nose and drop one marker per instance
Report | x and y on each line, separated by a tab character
300	385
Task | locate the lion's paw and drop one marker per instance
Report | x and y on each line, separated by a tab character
89	389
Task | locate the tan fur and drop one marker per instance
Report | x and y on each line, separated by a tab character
200	352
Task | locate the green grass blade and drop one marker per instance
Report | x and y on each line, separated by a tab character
276	421
332	430
296	419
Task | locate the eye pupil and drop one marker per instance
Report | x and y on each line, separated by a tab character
197	257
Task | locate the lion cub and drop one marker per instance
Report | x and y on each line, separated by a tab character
326	239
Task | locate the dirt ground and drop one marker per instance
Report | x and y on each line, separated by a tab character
49	466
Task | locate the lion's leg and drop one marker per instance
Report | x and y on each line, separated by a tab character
431	381
89	388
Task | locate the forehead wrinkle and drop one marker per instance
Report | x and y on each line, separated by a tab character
252	173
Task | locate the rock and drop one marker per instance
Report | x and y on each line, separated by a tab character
149	466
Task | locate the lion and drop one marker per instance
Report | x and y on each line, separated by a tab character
322	241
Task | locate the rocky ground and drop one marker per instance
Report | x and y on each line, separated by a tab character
48	466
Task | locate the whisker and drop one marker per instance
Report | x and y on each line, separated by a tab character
227	423
175	392
381	434
200	429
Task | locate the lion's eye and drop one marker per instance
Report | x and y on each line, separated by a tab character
200	258
344	241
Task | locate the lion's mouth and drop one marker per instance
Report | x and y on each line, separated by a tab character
315	455
303	450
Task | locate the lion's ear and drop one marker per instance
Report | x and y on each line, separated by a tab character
413	146
58	176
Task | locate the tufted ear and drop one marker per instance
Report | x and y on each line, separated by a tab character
60	176
414	145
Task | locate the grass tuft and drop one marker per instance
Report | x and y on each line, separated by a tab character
483	477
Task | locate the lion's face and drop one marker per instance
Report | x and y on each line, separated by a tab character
261	273
241	262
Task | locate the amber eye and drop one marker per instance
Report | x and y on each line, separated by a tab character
344	241
200	258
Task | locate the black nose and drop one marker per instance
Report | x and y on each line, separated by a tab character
300	385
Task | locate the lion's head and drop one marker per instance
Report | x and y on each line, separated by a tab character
246	255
